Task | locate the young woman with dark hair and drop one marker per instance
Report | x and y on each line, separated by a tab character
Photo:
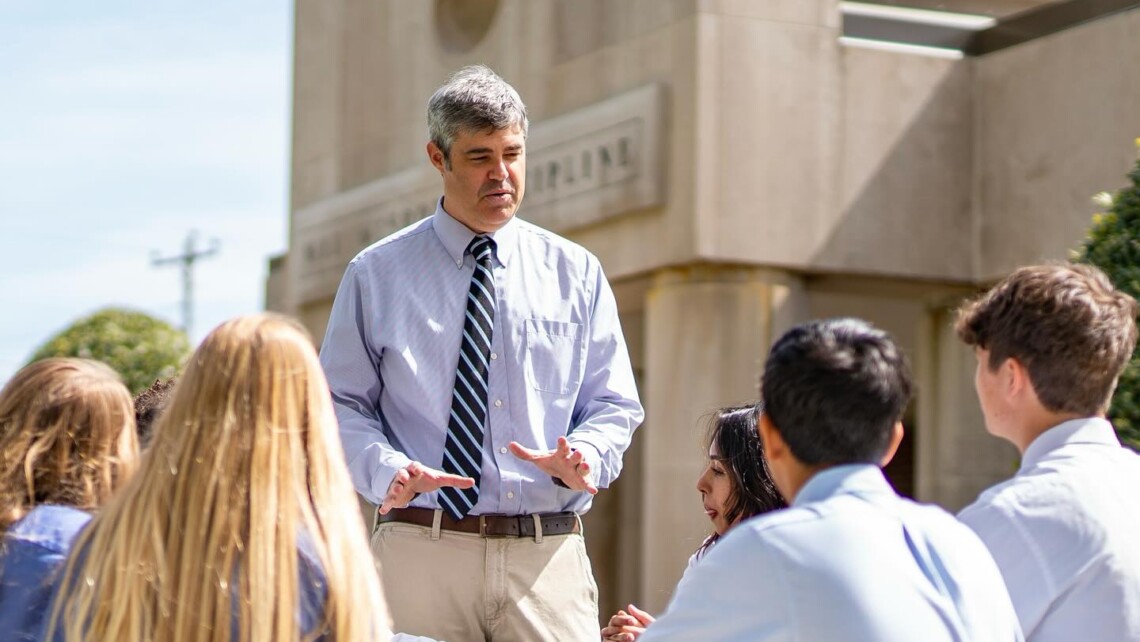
734	486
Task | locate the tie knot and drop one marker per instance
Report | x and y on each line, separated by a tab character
481	247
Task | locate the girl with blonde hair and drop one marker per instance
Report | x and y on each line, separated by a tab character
241	523
67	442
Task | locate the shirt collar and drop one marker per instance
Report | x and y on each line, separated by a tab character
847	479
1086	430
456	236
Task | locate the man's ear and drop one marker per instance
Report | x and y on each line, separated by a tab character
435	155
1015	376
897	433
775	448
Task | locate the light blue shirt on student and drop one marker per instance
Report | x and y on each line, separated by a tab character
559	364
849	560
1065	532
31	555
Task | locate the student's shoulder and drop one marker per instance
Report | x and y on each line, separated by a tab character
771	545
48	529
792	525
1026	509
1017	497
936	522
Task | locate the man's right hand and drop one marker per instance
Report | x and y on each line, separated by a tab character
416	478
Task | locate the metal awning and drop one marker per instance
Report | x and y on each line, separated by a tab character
956	28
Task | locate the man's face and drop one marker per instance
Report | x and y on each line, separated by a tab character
484	185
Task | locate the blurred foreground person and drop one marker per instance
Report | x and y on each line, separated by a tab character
241	523
734	486
1051	342
849	559
67	442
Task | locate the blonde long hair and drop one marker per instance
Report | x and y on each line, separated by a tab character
245	459
67	436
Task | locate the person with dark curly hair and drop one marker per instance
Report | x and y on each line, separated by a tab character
149	404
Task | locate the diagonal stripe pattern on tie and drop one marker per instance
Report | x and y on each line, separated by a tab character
463	451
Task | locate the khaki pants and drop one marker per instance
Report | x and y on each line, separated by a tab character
460	587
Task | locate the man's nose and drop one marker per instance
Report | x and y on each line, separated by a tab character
498	171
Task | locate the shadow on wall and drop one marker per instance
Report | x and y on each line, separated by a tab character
904	168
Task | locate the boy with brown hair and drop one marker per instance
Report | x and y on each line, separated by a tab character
1051	342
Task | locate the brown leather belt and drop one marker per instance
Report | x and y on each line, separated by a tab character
488	525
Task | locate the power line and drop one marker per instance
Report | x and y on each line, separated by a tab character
190	255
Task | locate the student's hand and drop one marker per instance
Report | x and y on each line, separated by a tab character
627	627
563	463
416	478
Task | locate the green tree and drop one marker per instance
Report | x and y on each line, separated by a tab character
139	347
1113	245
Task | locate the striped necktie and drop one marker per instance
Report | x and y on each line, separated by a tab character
463	452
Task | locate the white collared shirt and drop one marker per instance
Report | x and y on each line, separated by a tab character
1065	532
850	560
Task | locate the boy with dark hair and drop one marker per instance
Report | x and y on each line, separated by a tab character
850	559
1051	342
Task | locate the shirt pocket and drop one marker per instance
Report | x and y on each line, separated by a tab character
554	355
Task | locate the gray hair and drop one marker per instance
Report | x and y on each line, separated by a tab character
473	99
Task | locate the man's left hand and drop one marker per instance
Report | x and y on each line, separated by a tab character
564	462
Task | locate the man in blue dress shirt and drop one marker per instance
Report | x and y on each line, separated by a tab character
849	559
1051	341
548	396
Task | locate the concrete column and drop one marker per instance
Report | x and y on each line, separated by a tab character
708	329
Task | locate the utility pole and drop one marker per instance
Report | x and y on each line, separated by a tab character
190	255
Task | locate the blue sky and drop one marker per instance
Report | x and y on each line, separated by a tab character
124	126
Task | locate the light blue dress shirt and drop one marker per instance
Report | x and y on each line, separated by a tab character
559	363
849	560
1065	532
32	552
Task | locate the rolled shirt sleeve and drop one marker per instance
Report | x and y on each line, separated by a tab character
608	409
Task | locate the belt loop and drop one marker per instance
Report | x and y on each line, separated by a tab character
537	528
581	528
436	518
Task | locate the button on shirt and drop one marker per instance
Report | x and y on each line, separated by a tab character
850	560
33	550
1065	532
561	366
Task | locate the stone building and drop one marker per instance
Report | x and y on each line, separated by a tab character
738	166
